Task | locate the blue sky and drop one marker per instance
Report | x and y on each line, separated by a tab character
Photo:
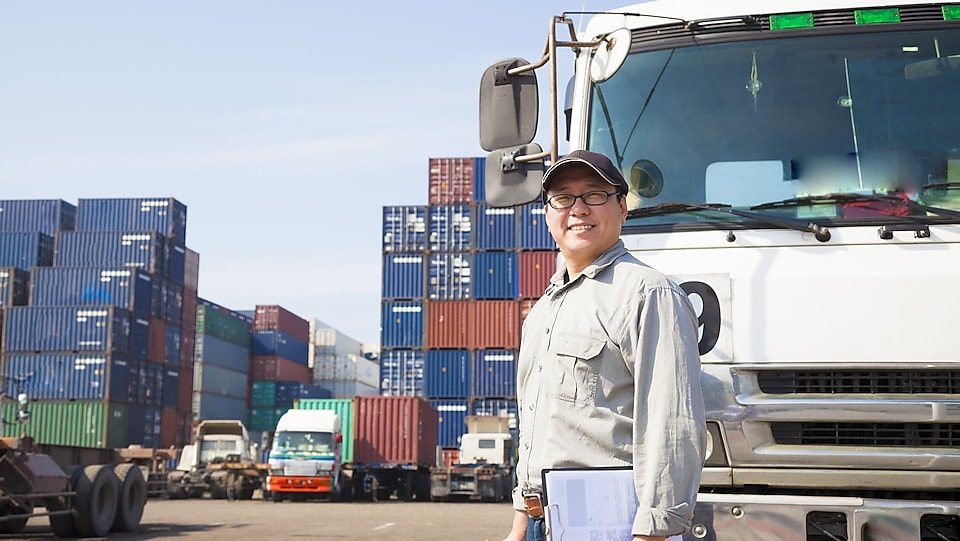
284	126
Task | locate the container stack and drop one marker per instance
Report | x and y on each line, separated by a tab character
453	303
339	364
222	363
100	342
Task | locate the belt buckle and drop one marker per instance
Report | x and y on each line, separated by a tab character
534	504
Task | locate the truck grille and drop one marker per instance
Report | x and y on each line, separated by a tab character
868	434
860	382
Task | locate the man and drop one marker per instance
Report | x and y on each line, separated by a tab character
609	368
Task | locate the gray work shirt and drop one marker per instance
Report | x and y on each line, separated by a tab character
609	375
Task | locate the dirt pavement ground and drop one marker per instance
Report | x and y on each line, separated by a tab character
348	521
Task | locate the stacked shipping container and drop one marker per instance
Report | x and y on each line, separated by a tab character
453	301
222	363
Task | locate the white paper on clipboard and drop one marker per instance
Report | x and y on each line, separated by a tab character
590	504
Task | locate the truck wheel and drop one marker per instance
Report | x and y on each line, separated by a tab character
14	525
96	501
131	499
63	525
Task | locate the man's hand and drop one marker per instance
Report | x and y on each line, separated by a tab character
518	532
649	538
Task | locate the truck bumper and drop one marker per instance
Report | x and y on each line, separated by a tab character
298	484
736	517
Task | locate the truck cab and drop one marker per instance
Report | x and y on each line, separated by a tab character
305	458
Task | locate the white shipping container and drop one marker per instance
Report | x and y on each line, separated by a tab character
346	368
348	389
326	337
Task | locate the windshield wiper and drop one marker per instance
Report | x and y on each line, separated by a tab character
820	232
834	198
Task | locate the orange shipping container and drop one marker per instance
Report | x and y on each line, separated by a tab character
185	390
273	368
157	344
278	318
395	430
447	324
536	268
525	306
496	324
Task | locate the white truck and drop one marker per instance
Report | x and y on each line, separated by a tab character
484	469
221	462
305	456
795	165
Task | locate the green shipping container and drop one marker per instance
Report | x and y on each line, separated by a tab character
224	326
344	409
263	393
76	423
265	419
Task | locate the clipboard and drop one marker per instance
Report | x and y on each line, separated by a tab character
582	504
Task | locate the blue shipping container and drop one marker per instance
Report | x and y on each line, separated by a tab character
480	179
534	234
165	215
401	372
403	276
14	287
288	392
215	380
495	373
495	275
67	376
126	248
208	406
26	250
171	387
404	228
449	276
447	373
167	300
125	287
46	216
215	351
66	329
452	421
143	425
281	344
402	324
173	344
450	227
146	383
139	336
495	228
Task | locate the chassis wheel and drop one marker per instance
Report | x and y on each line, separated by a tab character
14	525
131	499
96	501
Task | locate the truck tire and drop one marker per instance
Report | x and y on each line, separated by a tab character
63	525
131	499
96	501
14	525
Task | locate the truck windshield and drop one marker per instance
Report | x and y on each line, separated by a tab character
303	442
754	123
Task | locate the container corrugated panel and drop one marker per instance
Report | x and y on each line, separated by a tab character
75	423
125	287
14	287
494	373
404	228
167	300
213	379
191	269
495	275
451	180
451	421
448	325
176	261
216	351
126	248
229	326
395	430
278	318
535	270
496	324
450	227
157	344
403	275
26	250
449	276
401	372
342	388
495	228
346	367
188	328
525	306
163	214
533	233
344	409
279	369
447	373
288	392
185	390
480	179
139	336
402	324
66	329
175	428
67	376
211	406
263	393
172	350
171	387
143	425
264	419
146	383
281	344
37	215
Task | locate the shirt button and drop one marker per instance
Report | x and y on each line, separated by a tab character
547	330
539	368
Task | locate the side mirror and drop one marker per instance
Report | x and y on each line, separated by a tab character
510	182
339	438
23	414
509	106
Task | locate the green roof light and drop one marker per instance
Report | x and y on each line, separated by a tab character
790	21
951	13
877	16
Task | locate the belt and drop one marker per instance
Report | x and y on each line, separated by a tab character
534	504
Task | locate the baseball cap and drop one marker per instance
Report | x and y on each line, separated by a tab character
598	162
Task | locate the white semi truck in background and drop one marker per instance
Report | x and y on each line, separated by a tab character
795	166
305	458
220	463
484	468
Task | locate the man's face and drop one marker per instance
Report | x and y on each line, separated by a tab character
582	231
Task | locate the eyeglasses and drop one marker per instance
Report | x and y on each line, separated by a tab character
594	199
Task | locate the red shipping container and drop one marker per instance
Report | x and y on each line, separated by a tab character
273	368
170	424
451	180
395	430
496	324
278	318
536	268
447	324
525	306
188	328
157	343
185	390
448	456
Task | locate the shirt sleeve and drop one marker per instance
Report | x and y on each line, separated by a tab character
669	431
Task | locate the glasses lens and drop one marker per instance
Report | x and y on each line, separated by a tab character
595	198
561	201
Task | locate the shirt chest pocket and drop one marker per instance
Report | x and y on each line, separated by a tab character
576	369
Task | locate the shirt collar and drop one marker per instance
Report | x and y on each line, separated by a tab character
558	280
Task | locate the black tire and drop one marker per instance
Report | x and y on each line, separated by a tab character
14	525
131	499
64	525
96	501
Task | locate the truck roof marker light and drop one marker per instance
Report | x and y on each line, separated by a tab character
791	21
877	16
951	13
